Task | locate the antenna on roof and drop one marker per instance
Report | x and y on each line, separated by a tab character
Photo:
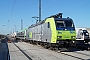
59	15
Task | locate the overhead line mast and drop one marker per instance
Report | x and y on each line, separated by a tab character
40	18
21	24
39	10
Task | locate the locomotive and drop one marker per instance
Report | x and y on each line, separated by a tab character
21	35
54	31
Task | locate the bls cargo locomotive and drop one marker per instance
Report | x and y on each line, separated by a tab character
53	31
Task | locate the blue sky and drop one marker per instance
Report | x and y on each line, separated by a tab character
15	10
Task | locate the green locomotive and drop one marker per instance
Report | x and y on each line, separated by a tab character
52	31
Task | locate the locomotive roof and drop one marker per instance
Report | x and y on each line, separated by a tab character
33	25
62	19
56	17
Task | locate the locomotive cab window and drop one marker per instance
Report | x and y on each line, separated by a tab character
60	24
48	25
85	32
69	23
64	23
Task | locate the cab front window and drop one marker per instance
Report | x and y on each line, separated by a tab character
60	24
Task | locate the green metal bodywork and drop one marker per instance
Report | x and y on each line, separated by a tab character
30	35
66	35
53	29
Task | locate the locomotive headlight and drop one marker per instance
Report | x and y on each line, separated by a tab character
59	36
72	36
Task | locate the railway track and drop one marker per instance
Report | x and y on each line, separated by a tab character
22	52
76	52
83	53
39	53
77	55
